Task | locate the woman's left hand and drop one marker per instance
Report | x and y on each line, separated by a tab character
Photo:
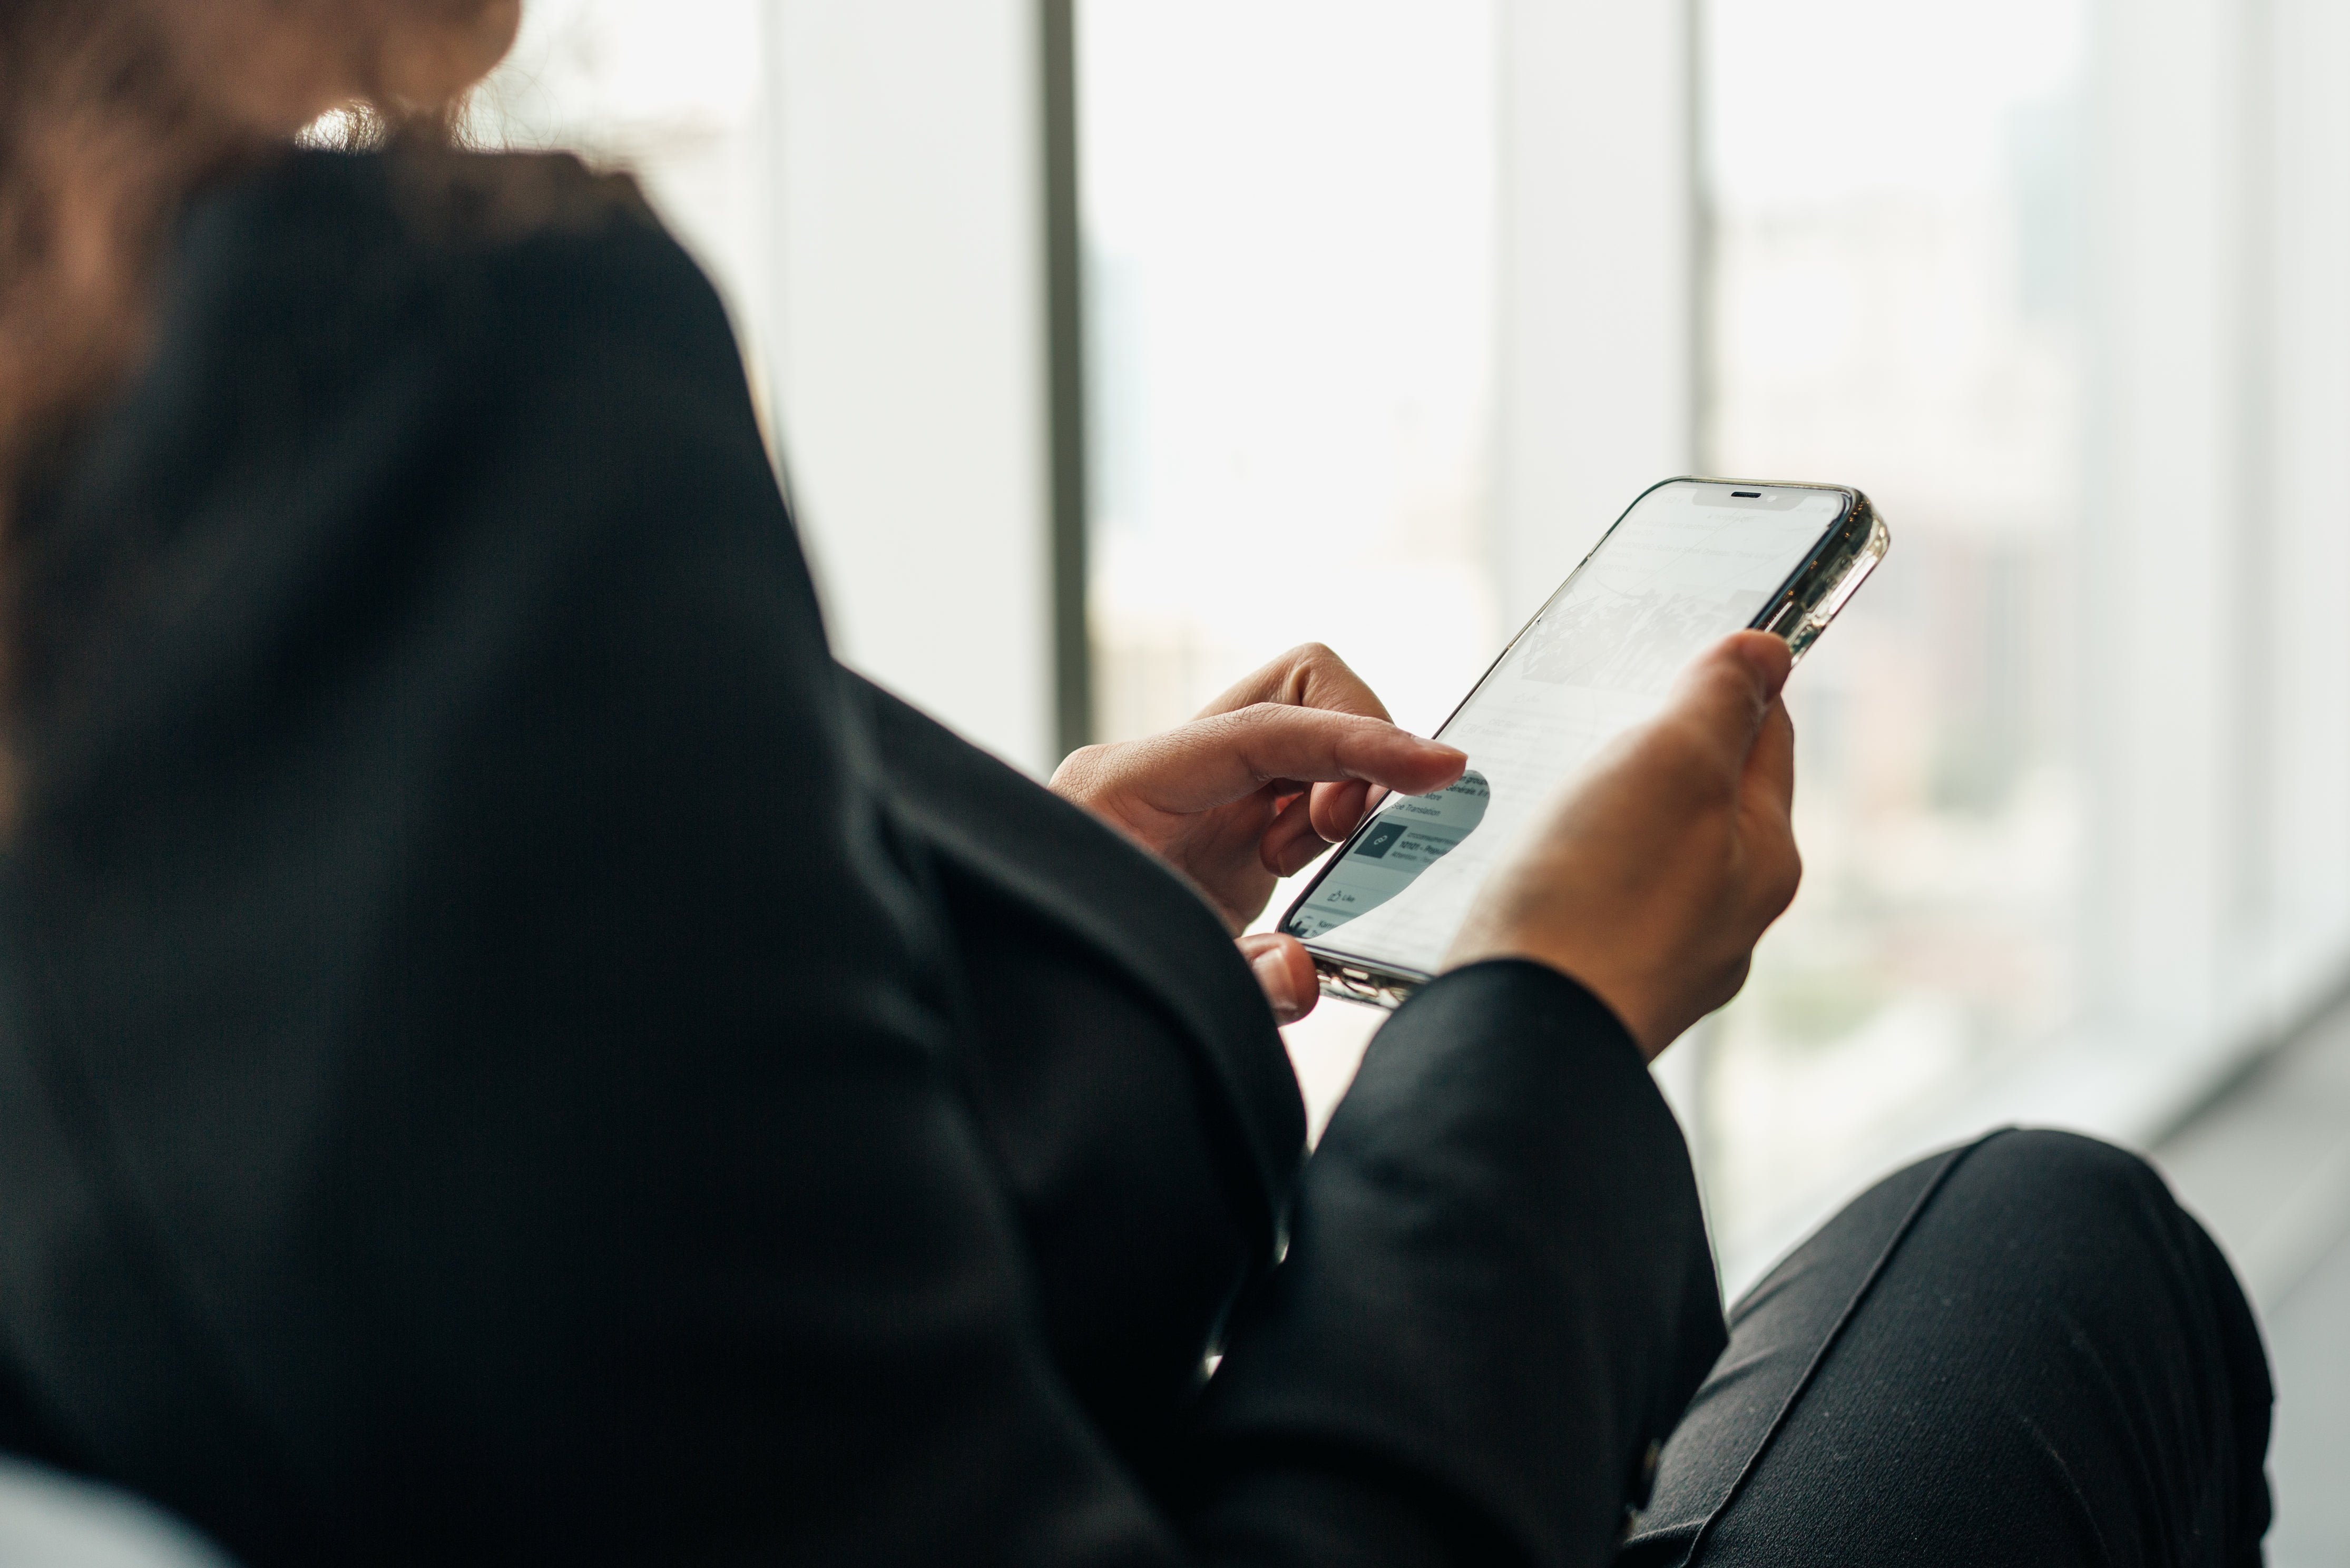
1267	777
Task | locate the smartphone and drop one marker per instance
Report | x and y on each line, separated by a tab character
1689	562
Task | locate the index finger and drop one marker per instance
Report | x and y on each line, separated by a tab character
1210	762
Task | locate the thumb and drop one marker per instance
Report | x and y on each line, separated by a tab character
1284	970
1722	698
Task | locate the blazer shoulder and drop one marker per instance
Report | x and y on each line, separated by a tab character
452	197
331	295
363	359
319	253
462	199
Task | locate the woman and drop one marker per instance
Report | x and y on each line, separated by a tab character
511	1054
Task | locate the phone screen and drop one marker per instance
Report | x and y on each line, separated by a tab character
1689	564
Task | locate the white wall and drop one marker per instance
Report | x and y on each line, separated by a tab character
1595	363
2219	560
907	367
2164	506
2303	268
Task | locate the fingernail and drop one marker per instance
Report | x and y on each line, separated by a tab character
1449	753
1272	967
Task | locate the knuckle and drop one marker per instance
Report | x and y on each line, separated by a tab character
1682	743
1261	715
1786	879
1290	717
1318	678
1083	762
1678	753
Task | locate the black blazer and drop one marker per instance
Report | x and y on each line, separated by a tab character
510	1054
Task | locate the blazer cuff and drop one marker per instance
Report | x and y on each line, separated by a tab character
1498	1277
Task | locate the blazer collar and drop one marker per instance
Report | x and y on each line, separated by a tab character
1132	910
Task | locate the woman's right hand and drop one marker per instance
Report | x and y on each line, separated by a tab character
1656	874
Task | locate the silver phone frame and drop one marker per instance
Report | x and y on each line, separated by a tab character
1805	603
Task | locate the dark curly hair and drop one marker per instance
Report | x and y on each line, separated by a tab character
112	114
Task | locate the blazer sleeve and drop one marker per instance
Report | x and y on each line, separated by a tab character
1498	1294
457	880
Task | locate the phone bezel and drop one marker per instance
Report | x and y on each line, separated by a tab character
1798	612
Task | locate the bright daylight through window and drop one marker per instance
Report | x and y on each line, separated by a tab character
1895	310
1897	307
1289	261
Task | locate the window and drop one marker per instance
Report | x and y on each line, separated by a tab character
1288	230
1894	298
1391	307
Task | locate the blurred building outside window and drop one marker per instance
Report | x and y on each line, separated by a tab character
2055	281
1289	212
1896	202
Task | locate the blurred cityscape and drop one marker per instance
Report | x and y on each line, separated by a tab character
1894	303
1893	308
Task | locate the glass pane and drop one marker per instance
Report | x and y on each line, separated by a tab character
1287	224
1895	191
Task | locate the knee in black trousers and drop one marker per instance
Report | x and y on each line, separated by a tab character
2021	1351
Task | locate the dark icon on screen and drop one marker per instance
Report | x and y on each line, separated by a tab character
1414	833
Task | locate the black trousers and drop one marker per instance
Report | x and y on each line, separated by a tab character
2021	1352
